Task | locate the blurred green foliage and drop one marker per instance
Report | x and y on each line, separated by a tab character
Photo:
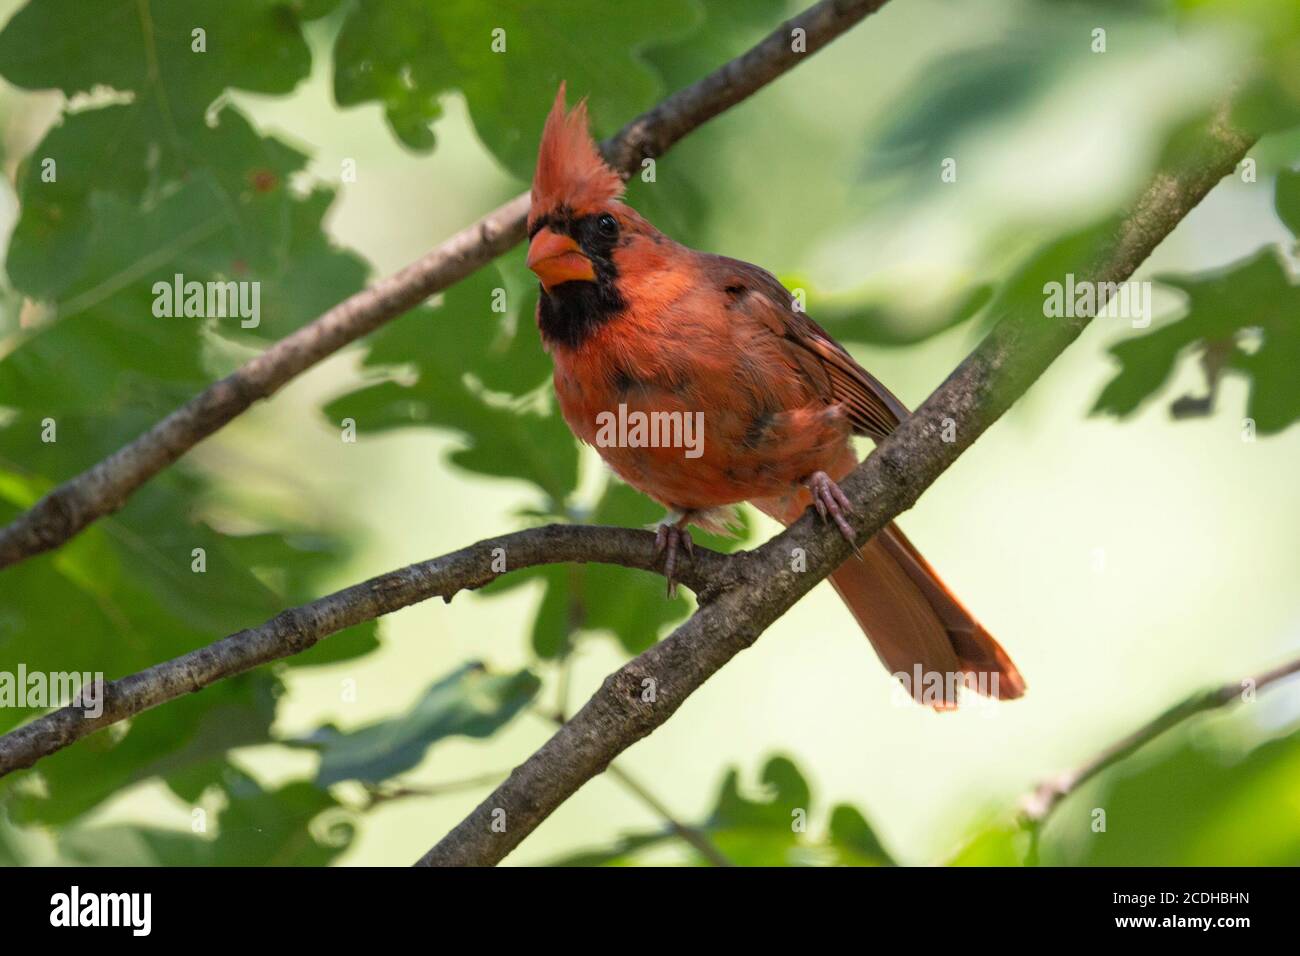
772	830
158	173
470	702
1191	802
506	59
1225	312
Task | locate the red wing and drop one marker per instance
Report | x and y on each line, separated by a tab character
831	372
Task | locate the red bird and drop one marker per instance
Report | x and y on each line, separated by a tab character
640	326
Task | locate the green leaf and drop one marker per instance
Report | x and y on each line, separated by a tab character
124	596
1024	293
997	843
470	702
1267	99
965	91
788	791
1186	803
157	183
767	831
630	606
219	190
405	54
147	47
625	852
1256	293
295	825
728	28
186	743
696	166
16	844
461	353
854	841
1274	403
875	324
1286	199
124	845
970	90
238	222
772	831
595	598
297	567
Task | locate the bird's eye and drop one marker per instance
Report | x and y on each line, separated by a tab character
607	225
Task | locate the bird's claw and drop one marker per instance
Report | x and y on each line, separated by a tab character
832	503
668	538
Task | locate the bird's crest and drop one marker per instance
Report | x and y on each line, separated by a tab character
570	169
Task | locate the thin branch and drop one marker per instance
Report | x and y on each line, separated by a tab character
376	794
577	618
105	487
646	692
1048	795
691	835
295	630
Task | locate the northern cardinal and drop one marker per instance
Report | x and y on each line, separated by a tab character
638	323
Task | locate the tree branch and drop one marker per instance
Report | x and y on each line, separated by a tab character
684	831
105	487
1048	795
646	691
377	794
297	629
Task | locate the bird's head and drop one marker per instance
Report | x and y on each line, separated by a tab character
574	221
585	244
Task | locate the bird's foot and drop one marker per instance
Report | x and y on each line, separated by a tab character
832	504
671	535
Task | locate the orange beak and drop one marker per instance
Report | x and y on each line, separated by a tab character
556	258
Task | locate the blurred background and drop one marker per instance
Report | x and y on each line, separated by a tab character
1126	557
